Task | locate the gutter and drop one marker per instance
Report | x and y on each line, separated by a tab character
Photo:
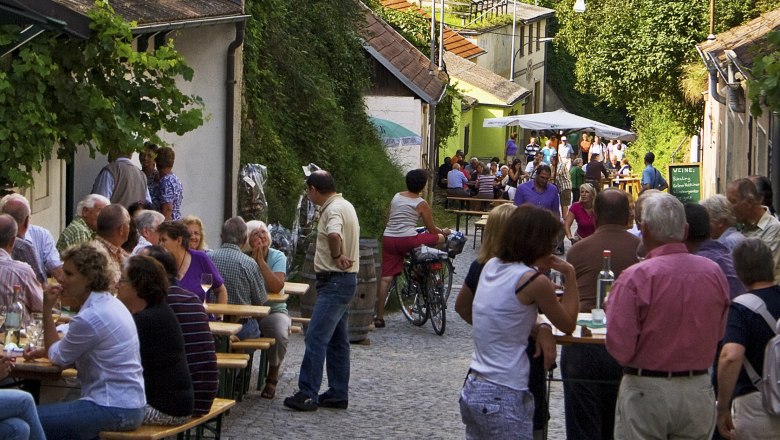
712	68
174	25
230	108
736	92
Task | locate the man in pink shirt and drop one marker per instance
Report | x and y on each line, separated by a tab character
665	317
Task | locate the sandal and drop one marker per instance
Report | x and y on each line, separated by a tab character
270	389
379	323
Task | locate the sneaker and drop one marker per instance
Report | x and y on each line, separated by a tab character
328	401
300	402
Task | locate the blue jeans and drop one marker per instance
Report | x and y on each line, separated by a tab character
495	412
250	329
83	419
18	416
327	337
590	406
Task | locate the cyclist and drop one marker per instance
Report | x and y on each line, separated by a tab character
400	235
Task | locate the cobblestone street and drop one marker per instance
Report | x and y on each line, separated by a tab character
404	385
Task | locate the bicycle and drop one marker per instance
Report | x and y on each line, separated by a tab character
424	286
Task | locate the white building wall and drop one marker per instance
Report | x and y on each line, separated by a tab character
200	155
406	112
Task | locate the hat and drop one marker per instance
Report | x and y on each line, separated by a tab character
563	138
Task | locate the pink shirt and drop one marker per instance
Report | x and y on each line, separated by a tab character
668	312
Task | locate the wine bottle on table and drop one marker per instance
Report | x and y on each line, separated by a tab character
13	318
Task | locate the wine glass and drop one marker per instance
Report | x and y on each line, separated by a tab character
206	281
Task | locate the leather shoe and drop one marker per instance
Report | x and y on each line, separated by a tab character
300	402
327	401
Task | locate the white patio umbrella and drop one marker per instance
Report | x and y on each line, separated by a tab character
560	120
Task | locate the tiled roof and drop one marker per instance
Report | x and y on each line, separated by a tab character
401	58
747	40
147	12
528	12
453	42
464	70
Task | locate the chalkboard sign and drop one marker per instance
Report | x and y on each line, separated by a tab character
685	181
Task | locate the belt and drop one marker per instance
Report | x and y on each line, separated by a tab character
325	276
652	373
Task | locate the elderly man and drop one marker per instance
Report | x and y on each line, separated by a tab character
83	227
23	250
665	316
699	242
113	228
121	181
147	221
15	272
590	406
755	218
455	182
722	221
747	333
240	272
336	264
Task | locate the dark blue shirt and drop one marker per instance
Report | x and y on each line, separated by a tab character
752	332
718	252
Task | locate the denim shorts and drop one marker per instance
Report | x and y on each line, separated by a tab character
494	411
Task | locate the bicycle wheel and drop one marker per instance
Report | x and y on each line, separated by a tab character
446	272
411	299
437	303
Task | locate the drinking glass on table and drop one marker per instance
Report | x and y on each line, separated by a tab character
206	281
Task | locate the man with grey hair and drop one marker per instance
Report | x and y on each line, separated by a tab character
665	316
83	227
16	272
23	250
113	228
49	263
755	218
722	221
147	221
241	274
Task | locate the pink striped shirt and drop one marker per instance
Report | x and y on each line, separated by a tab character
16	272
668	312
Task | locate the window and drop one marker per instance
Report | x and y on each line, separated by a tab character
537	97
538	35
522	40
530	38
466	133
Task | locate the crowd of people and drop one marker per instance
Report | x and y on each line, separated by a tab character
138	275
676	312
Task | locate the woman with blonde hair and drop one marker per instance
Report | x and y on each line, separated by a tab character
582	212
197	234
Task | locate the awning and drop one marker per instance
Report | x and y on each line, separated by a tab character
561	120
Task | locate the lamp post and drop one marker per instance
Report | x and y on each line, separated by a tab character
579	6
514	53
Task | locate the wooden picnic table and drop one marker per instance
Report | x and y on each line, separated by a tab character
234	311
582	334
277	297
297	289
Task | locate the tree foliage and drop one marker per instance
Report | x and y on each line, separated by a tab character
98	93
764	87
305	73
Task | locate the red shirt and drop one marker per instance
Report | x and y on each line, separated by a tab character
668	312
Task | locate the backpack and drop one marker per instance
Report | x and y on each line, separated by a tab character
768	384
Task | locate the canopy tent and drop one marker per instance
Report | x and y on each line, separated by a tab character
395	135
560	120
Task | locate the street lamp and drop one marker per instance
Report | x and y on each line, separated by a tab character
514	54
579	6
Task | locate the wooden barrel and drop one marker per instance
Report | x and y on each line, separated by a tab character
373	244
361	308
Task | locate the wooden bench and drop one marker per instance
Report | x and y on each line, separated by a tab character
296	329
152	432
479	226
230	388
467	214
278	297
262	344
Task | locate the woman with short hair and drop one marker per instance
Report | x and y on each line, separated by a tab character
102	343
169	395
401	235
197	234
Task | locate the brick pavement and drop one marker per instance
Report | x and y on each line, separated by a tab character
404	385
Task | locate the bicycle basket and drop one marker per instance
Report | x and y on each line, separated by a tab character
425	254
455	243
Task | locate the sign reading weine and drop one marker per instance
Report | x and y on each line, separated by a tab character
685	181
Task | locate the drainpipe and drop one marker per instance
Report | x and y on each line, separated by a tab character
774	151
230	108
712	68
735	93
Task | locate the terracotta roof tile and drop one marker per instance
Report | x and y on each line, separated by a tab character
401	58
747	40
453	42
163	11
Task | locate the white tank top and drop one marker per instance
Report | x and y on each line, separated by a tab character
502	325
402	221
